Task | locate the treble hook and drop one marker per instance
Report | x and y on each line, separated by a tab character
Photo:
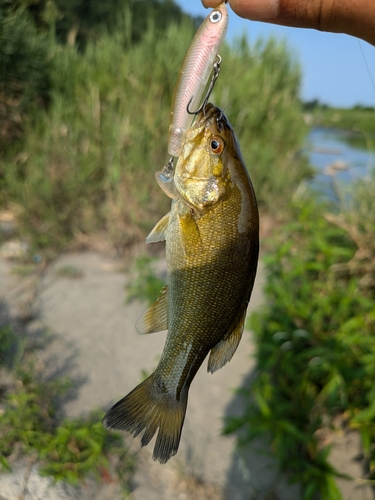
215	76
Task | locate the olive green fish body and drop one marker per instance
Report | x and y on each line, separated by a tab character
212	246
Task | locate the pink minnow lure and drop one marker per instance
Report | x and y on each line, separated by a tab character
193	77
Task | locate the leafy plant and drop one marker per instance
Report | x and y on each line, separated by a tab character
8	346
357	219
30	410
315	351
81	447
30	423
24	71
143	282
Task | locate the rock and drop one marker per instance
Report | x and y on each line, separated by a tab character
14	249
25	483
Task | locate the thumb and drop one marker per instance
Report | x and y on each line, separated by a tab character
354	17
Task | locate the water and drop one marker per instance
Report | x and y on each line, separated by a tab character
331	153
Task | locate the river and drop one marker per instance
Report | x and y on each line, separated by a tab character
331	153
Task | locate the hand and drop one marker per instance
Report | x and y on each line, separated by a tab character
354	17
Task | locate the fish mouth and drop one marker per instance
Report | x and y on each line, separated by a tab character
204	116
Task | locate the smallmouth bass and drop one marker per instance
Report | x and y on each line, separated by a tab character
212	244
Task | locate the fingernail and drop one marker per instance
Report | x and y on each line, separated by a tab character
256	10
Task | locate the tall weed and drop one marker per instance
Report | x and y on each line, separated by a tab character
357	218
259	92
24	71
88	161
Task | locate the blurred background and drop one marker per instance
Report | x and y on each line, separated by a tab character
85	95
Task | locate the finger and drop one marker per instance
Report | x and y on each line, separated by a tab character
250	9
211	3
354	17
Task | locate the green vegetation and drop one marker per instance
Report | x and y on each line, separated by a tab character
356	119
82	447
315	341
24	72
143	283
24	269
357	122
258	89
84	161
84	111
8	343
29	34
30	421
69	272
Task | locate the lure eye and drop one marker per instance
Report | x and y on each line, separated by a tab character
215	16
216	144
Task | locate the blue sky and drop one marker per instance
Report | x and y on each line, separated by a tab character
334	69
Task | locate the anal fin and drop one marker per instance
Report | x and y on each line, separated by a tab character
224	350
155	318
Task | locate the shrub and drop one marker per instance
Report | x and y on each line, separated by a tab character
24	71
315	345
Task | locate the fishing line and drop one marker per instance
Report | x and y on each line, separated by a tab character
368	69
373	86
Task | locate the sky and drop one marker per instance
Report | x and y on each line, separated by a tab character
336	68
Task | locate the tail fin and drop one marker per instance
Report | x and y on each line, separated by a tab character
149	406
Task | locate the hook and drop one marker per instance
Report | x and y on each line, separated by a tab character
215	76
166	175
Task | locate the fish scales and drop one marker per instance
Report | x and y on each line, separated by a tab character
212	252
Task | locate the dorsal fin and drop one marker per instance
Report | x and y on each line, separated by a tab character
155	318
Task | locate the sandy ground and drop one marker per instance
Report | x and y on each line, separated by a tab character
96	344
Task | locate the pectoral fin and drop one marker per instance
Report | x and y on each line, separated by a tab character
224	350
155	319
160	230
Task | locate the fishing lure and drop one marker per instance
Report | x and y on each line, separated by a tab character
194	74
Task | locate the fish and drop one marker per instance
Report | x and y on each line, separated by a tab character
212	246
194	74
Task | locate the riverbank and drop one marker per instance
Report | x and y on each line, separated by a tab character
357	122
94	330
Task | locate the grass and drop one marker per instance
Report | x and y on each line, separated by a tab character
143	283
69	272
87	162
357	122
24	269
314	339
31	424
83	447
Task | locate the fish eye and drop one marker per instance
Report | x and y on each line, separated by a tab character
215	16
216	144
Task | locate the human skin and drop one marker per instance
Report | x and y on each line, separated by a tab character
353	17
